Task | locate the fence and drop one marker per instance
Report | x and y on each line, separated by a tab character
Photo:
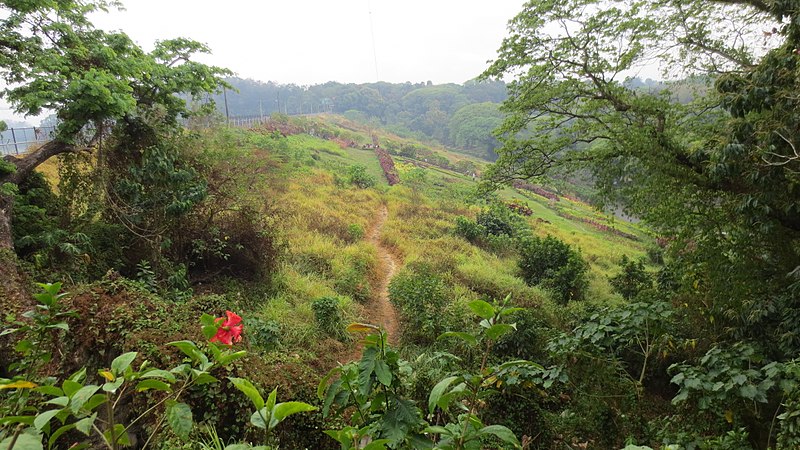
15	141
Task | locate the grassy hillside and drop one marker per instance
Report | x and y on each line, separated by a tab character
318	197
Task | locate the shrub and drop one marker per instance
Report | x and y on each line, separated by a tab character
357	175
632	280
263	333
495	222
421	296
555	265
328	314
469	230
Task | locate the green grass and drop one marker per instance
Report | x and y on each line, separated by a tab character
317	214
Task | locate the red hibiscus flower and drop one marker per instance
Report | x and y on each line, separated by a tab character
230	330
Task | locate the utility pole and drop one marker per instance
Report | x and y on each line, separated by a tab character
227	114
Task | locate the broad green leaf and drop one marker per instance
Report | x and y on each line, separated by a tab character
260	418
497	330
153	384
113	386
70	387
383	373
323	384
44	418
60	325
85	425
58	401
120	435
466	337
122	362
437	391
435	429
202	378
284	410
56	434
179	417
158	373
748	391
189	349
27	420
503	433
95	401
249	390
481	308
77	377
25	441
272	399
224	360
379	444
81	397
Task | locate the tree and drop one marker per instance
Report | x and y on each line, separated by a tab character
555	265
52	58
472	126
719	174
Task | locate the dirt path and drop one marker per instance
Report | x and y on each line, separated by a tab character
380	310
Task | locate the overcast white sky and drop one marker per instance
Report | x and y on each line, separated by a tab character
314	41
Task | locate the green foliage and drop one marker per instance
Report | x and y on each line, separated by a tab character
263	334
555	265
76	404
633	279
355	231
268	414
642	329
421	296
472	126
372	386
357	176
469	230
734	379
328	314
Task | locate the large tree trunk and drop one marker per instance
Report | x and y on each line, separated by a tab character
32	160
6	242
14	293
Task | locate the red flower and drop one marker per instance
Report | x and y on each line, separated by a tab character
230	330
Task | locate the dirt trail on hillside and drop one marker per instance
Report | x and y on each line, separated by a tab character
380	310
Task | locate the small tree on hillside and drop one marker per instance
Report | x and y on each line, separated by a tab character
554	265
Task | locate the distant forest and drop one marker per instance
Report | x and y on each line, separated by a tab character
459	116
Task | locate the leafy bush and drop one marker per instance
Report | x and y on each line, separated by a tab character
328	313
633	279
469	230
496	221
421	296
555	265
357	175
264	334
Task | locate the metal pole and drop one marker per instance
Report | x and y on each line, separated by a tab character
227	114
14	137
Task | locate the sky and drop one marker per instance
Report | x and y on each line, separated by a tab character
314	41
